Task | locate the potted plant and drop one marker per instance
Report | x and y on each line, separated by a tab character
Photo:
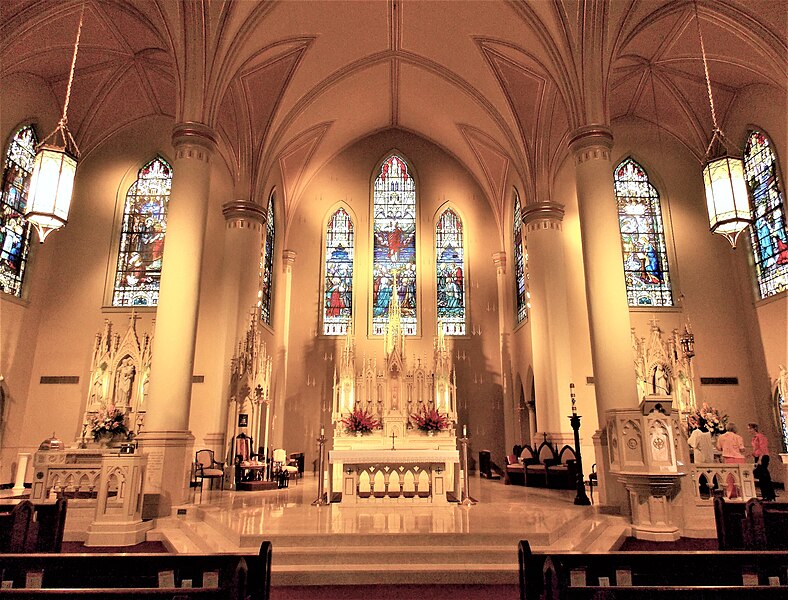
360	422
715	421
108	424
430	420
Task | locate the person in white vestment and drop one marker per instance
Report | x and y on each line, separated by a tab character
700	441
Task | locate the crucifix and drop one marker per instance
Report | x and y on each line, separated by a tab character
393	435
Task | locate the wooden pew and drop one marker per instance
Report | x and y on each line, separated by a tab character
754	525
28	527
641	575
240	577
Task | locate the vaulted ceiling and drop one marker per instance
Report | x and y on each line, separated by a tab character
499	85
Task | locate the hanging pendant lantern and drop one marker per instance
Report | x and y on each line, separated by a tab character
54	169
727	199
51	186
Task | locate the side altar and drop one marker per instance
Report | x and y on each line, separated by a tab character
398	461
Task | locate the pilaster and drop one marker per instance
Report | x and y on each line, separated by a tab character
510	420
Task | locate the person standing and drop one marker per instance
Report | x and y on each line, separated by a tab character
700	441
732	446
760	453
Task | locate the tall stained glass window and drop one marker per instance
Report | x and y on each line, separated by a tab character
450	267
14	229
519	261
394	248
267	280
138	271
768	234
642	237
338	306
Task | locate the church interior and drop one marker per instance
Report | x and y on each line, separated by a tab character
392	228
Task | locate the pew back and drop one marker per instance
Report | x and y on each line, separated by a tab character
621	575
219	576
28	527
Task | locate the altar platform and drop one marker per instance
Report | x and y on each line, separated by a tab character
384	542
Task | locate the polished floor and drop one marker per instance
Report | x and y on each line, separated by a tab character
385	542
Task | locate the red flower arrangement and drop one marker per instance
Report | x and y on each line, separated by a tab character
430	420
360	421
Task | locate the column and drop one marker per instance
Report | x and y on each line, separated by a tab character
288	260
552	358
511	437
166	437
606	298
244	233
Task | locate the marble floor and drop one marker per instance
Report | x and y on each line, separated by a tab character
384	541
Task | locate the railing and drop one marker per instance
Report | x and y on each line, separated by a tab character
711	478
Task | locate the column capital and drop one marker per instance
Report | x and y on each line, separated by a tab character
543	215
499	260
591	142
191	133
240	213
288	258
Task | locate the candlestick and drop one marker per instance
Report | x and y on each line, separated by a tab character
464	430
574	400
322	430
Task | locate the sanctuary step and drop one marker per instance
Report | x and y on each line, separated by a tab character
337	545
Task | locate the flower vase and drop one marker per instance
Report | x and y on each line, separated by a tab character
431	433
359	433
104	441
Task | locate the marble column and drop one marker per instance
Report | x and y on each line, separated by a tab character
552	359
510	416
288	260
166	437
244	235
606	298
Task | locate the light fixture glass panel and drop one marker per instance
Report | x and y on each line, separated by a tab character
51	187
726	197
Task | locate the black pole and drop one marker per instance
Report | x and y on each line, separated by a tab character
581	498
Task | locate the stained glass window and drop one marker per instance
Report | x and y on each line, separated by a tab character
138	272
642	237
338	308
768	234
14	229
268	263
519	262
450	267
394	249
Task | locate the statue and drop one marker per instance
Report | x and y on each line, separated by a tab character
660	383
123	386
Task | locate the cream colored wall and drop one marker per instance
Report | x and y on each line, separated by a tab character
23	102
764	108
711	277
348	178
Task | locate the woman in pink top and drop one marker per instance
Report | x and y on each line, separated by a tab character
732	446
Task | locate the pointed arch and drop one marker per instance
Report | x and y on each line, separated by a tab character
768	234
338	272
14	228
518	242
646	269
450	271
267	261
394	244
143	231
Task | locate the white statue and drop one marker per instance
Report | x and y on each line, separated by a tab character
123	387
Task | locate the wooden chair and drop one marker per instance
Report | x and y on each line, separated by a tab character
207	467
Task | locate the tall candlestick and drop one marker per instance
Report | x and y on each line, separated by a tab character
322	430
574	400
464	430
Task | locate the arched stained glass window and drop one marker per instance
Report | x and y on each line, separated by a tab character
394	248
138	271
642	237
519	261
450	272
268	263
768	234
14	229
338	306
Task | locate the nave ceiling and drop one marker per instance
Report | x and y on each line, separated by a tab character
498	85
